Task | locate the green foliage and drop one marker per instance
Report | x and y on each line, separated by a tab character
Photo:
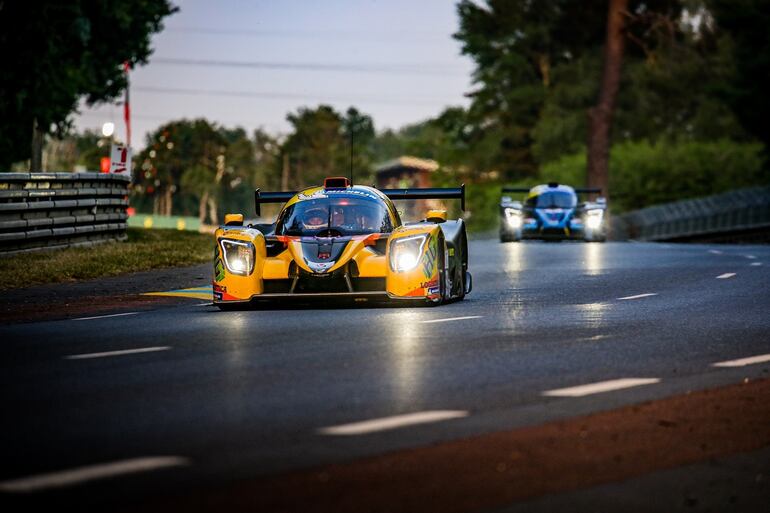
644	173
319	145
142	251
55	52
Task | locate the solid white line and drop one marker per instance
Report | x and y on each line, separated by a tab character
205	304
725	275
397	421
116	353
601	386
744	361
638	296
756	264
104	316
454	319
715	251
89	473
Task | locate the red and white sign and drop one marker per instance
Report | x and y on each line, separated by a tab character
120	159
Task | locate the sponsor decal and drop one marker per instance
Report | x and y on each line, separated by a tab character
433	291
217	296
316	195
429	284
429	258
219	270
319	267
219	288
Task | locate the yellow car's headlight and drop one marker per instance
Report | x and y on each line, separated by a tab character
405	253
239	256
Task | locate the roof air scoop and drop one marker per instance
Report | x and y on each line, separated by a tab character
336	182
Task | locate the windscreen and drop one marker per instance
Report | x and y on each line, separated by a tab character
553	199
334	216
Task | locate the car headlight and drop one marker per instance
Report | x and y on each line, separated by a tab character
239	256
405	253
593	219
513	217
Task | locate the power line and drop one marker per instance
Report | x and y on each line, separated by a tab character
410	69
290	96
390	36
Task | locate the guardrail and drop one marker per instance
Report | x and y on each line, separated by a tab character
55	210
740	215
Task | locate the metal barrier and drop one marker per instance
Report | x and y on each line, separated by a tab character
55	210
740	215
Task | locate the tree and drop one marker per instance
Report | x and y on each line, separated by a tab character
600	116
55	52
196	148
746	23
319	145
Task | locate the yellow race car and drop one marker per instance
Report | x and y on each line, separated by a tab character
343	240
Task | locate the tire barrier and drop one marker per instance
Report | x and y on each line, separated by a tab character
55	210
742	215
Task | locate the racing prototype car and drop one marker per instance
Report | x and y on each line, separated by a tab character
552	212
343	240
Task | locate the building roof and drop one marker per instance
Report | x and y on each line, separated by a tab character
408	162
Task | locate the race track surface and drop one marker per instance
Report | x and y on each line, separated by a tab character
141	407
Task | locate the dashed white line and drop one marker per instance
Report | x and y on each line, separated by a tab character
116	353
394	422
104	316
715	251
453	319
601	386
750	257
741	362
89	473
205	304
725	276
638	296
755	264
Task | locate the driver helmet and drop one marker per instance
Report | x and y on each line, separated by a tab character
315	219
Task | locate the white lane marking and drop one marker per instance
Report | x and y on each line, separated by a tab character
638	296
601	386
750	257
116	353
205	304
715	251
725	276
104	316
397	421
89	473
453	319
756	264
741	362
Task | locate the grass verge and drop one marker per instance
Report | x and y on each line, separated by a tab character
144	250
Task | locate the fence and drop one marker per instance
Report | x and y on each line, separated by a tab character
740	215
164	222
54	210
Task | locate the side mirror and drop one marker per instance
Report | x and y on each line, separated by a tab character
233	219
506	199
436	216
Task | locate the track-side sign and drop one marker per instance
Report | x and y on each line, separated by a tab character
120	160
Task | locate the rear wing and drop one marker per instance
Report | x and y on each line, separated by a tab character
394	194
427	193
583	190
270	197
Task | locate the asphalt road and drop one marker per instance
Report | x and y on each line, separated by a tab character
204	398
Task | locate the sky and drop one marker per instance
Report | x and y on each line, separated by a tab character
250	63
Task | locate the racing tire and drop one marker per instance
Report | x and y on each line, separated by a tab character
505	237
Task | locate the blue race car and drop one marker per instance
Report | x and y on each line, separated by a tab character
552	212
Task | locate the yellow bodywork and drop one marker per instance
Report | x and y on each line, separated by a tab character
420	282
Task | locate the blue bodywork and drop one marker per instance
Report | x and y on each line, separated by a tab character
551	211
